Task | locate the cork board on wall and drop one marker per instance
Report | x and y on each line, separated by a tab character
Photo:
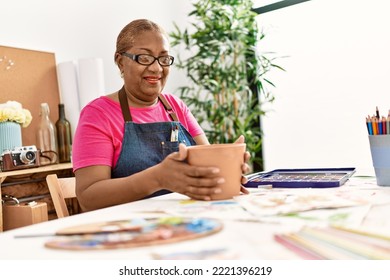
29	77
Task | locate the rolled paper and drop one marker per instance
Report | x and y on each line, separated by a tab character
90	80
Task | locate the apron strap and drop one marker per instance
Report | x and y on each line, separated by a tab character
126	111
168	108
124	105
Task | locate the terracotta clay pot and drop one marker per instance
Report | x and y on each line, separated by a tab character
229	158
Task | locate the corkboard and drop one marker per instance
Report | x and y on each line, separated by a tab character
29	77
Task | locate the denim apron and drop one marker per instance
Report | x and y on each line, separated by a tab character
147	144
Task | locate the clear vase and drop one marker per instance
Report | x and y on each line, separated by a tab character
10	136
47	137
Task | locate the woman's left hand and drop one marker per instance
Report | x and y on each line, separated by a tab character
245	166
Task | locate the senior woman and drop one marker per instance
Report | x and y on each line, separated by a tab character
131	144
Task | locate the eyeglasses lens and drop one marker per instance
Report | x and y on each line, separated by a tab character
149	59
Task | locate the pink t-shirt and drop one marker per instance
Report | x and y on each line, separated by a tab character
100	130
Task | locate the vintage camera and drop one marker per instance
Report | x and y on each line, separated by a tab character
19	158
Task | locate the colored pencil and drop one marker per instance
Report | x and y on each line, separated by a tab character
374	125
377	125
384	124
369	125
388	123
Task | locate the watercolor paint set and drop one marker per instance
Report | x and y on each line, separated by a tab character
300	178
133	233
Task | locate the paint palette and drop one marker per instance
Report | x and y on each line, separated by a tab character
133	233
301	178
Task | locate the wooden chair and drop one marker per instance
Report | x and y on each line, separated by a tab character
61	189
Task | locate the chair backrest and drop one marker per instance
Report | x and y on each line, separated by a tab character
60	189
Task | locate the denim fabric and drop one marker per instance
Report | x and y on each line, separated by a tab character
145	145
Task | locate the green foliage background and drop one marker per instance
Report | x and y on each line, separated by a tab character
226	71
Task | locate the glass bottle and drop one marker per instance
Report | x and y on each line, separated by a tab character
46	137
64	136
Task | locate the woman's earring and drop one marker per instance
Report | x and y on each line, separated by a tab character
122	74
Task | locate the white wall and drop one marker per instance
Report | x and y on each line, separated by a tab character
75	29
336	74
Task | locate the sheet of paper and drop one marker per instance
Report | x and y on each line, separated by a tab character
285	202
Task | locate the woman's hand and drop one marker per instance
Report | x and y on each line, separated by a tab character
176	175
245	166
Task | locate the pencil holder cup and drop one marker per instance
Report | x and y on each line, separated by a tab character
229	158
380	153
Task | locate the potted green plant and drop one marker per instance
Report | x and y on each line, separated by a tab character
226	72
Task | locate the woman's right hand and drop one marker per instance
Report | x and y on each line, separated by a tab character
176	175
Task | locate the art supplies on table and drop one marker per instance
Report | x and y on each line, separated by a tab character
290	202
378	125
301	178
336	243
133	233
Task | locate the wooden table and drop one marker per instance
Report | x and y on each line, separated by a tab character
240	238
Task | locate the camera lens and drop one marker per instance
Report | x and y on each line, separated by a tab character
27	157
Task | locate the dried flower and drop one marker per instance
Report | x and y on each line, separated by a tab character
12	111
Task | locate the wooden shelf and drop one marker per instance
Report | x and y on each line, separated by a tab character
26	175
47	168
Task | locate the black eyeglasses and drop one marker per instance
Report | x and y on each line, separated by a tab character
147	59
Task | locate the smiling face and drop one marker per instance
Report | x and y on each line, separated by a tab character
144	83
